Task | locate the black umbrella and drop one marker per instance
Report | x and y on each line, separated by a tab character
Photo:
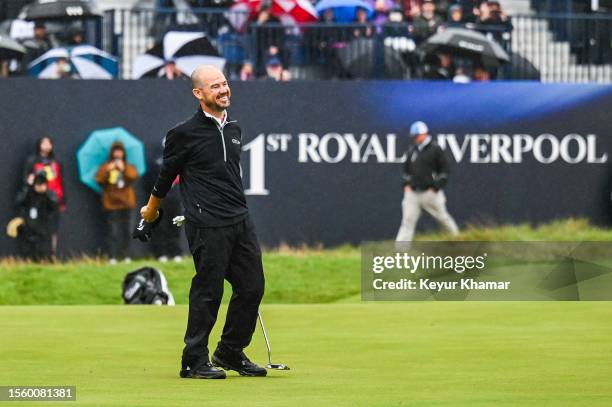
10	48
187	50
359	59
60	10
466	43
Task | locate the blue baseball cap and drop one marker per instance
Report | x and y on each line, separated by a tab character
418	128
273	61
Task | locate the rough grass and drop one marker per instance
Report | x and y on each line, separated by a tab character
293	275
574	230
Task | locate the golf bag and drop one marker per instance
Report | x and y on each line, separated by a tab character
146	285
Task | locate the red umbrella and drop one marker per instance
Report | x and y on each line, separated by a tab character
289	12
292	12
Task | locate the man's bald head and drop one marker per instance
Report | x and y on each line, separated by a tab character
204	74
211	88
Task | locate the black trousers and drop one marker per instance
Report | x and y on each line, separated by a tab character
35	246
118	233
231	253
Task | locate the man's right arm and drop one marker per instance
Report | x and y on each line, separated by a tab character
175	154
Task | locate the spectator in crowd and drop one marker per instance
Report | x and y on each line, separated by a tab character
455	16
77	36
36	211
116	177
498	16
247	72
328	16
381	11
64	70
270	38
481	74
327	40
364	29
411	8
425	175
274	69
44	161
467	9
36	46
438	66
426	23
491	19
491	13
393	26
172	72
442	8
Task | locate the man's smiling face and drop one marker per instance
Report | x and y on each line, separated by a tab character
212	89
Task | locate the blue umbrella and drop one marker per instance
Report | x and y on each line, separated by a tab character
86	62
95	150
344	10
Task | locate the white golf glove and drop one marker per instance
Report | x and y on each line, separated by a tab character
178	221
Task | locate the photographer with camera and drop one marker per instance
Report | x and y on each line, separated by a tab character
116	177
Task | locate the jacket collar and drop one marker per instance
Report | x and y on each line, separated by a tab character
205	118
424	144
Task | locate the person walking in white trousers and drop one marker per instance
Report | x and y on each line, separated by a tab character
425	175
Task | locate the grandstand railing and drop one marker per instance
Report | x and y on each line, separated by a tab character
312	51
550	47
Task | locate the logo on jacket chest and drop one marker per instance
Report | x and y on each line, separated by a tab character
235	141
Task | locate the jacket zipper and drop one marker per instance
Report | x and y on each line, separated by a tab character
220	128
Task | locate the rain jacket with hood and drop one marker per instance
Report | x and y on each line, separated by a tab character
117	190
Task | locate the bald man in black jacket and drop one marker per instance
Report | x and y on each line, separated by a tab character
205	152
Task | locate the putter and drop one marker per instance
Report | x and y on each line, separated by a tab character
270	364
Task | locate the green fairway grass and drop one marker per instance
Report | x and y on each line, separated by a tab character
374	354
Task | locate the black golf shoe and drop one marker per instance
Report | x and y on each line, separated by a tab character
202	371
236	361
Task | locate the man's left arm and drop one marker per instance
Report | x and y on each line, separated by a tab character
441	173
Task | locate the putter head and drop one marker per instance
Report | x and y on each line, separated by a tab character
277	366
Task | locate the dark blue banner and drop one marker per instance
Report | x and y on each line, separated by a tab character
322	160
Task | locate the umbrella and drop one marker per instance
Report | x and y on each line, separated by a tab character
344	10
291	12
10	48
18	29
467	43
95	150
359	57
87	61
187	49
60	10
